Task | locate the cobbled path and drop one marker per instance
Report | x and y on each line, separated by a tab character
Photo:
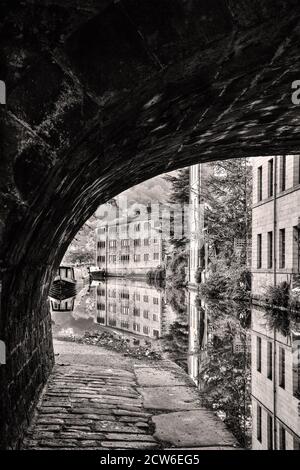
84	406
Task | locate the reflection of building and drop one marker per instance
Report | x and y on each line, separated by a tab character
198	335
275	387
198	247
133	307
275	220
131	245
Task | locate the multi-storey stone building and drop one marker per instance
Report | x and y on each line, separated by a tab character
131	245
275	258
275	221
133	308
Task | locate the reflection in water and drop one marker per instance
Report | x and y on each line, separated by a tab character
216	343
275	386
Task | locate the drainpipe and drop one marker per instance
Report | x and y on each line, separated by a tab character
275	282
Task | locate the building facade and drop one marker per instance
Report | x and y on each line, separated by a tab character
275	221
130	246
198	250
133	308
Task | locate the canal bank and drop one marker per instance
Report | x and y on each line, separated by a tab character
99	399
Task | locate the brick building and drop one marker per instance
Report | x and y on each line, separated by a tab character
275	221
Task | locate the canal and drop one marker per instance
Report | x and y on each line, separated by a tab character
227	348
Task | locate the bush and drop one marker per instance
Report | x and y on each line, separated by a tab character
278	295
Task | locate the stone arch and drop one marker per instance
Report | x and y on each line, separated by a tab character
103	98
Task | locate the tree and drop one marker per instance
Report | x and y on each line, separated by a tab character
179	186
228	212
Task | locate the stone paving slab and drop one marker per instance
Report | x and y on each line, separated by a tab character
197	428
168	377
170	398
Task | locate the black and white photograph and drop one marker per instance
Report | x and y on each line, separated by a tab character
149	229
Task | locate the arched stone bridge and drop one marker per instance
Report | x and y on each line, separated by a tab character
101	95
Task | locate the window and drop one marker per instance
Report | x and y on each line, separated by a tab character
137	258
270	177
137	296
258	423
101	259
112	258
125	310
101	291
146	330
259	251
155	241
296	369
146	242
155	318
100	306
146	314
101	244
137	242
270	360
155	300
101	320
112	293
124	295
282	248
259	183
282	367
124	324
112	308
146	257
125	258
137	227
156	256
258	354
112	243
270	250
282	438
112	322
125	242
136	312
156	334
283	173
270	432
146	298
136	327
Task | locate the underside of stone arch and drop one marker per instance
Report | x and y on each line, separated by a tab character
102	95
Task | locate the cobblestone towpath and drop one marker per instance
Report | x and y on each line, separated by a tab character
99	399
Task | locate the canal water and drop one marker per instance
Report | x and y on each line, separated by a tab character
227	348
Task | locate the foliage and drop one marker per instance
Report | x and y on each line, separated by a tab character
229	198
179	186
278	295
226	280
79	257
156	277
177	268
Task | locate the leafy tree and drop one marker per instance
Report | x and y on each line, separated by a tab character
179	186
228	211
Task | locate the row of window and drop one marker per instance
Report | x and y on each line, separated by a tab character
126	242
270	365
270	183
125	228
282	435
125	325
270	249
125	258
112	293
